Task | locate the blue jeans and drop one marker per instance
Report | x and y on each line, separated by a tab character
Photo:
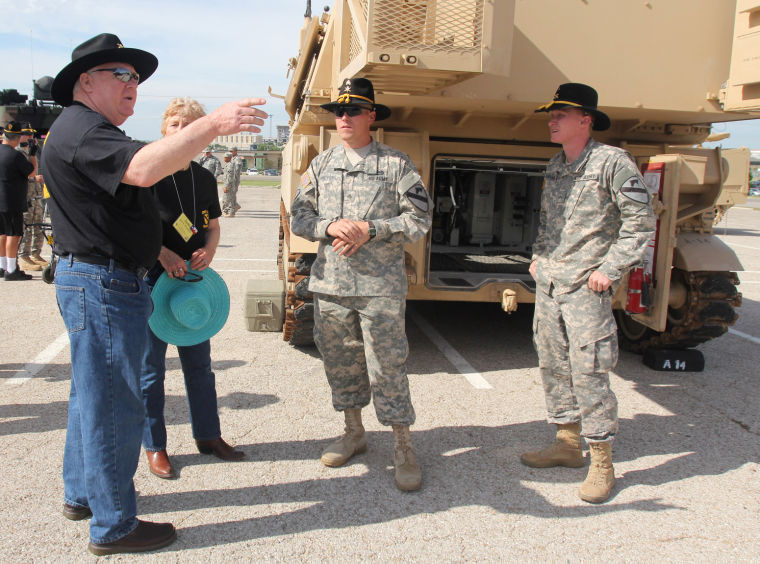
200	384
105	310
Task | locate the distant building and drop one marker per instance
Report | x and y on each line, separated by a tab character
283	132
239	140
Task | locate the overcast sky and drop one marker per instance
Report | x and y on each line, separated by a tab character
212	51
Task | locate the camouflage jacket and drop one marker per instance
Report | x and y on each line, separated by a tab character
238	164
212	164
228	174
596	214
385	189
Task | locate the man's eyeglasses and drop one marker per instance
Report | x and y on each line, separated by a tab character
350	111
120	73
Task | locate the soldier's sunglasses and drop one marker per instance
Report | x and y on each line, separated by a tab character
350	111
120	73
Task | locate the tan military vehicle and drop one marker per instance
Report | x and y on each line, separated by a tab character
463	78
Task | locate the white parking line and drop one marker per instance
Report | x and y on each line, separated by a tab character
244	270
744	336
742	246
465	368
243	259
31	369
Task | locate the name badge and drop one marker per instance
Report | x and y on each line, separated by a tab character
184	227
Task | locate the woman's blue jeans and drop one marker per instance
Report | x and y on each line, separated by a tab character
105	310
200	384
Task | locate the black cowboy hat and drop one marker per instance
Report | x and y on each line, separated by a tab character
13	127
581	96
103	48
358	92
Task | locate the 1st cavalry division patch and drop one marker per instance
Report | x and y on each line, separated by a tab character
418	196
636	190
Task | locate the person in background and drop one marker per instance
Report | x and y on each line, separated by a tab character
362	201
237	161
595	224
211	163
31	243
15	170
189	209
229	200
107	233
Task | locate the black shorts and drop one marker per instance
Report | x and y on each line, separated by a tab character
12	223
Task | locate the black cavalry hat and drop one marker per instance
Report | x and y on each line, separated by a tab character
14	127
581	96
358	92
103	48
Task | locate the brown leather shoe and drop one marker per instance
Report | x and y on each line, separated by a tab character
76	512
147	536
159	464
220	449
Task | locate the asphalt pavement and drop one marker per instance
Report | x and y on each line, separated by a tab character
687	457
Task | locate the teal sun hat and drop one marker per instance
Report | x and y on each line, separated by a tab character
191	310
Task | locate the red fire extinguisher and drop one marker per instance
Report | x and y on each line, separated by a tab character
638	291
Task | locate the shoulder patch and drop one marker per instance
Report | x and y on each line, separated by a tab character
417	195
635	190
305	180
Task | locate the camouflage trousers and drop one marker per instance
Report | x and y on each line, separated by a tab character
229	199
364	348
575	336
33	238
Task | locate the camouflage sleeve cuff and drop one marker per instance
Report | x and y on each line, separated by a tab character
610	272
321	230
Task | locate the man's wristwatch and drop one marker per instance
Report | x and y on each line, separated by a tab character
372	231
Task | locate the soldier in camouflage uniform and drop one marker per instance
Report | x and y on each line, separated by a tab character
229	200
362	201
237	162
211	163
596	221
29	250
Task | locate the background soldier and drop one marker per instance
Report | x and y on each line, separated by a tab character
238	164
211	163
229	200
31	243
596	221
362	201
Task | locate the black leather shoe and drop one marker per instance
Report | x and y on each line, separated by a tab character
147	536
76	513
220	449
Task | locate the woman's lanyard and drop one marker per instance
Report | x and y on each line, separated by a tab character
183	225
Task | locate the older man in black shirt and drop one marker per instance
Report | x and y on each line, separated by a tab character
107	231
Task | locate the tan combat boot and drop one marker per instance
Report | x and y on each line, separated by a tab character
564	451
408	473
350	443
26	263
601	474
36	257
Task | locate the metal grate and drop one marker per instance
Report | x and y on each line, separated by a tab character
445	26
355	46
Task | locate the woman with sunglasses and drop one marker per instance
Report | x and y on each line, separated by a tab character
189	208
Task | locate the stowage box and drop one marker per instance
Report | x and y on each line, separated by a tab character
264	303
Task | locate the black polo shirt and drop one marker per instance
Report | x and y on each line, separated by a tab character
14	171
175	196
92	211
